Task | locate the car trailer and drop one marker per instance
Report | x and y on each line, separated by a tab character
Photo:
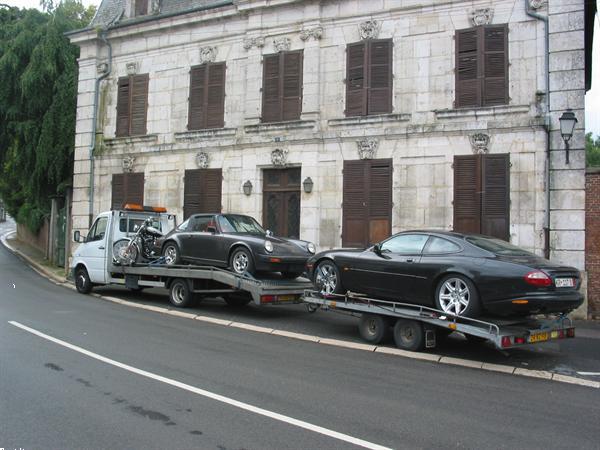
416	327
188	283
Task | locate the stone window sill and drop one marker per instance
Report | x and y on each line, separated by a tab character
365	120
124	140
198	135
473	113
280	126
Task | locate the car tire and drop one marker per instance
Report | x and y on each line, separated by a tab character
237	300
457	291
290	275
374	328
326	278
241	261
171	254
82	281
409	335
180	293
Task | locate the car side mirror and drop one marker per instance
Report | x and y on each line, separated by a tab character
377	249
211	229
269	233
76	236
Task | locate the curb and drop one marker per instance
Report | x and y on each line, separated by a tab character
431	357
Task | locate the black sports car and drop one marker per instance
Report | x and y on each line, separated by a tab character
235	241
467	275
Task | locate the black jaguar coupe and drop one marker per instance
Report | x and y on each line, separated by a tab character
237	242
468	275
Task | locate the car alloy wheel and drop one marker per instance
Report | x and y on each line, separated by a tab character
454	296
241	261
326	278
171	255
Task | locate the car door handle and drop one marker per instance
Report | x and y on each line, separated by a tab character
410	260
100	248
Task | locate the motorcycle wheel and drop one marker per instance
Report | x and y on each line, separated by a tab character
125	254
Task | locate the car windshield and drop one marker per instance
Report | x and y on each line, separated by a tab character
498	246
239	224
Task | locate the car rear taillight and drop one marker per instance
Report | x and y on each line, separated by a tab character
538	278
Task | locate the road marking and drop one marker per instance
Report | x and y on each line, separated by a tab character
591	374
208	394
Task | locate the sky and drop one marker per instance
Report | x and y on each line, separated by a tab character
592	98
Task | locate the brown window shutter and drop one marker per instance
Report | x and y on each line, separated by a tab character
356	83
139	104
134	188
354	210
202	191
215	96
380	77
271	110
468	82
213	179
123	107
380	199
141	7
495	65
118	190
292	85
467	198
495	205
196	112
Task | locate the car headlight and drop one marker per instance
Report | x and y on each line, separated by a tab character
311	248
268	246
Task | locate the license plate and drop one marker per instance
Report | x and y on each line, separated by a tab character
539	337
286	298
564	282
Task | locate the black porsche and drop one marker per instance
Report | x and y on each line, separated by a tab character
469	275
235	241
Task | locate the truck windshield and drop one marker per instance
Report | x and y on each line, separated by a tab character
239	224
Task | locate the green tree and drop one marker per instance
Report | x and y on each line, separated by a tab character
38	95
592	150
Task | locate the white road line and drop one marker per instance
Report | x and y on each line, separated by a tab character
204	393
592	374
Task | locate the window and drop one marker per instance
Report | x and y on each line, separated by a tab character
130	225
127	188
411	244
497	246
369	78
141	7
207	97
282	86
482	66
202	191
132	105
440	245
201	223
98	230
233	223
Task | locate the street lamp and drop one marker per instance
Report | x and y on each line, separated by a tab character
567	125
247	187
308	185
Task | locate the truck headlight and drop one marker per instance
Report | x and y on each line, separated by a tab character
311	248
268	246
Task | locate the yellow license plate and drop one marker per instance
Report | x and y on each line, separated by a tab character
539	337
286	298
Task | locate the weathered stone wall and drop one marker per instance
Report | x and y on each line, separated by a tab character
592	241
37	240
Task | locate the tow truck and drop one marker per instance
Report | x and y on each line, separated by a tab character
93	265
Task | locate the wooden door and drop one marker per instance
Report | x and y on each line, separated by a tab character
367	204
202	191
281	202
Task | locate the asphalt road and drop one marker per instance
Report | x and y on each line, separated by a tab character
154	386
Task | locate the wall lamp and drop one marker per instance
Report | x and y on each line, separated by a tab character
567	125
247	187
308	185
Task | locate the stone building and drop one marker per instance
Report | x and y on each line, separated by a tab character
339	121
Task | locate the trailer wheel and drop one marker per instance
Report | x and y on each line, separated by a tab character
237	300
374	328
409	335
180	294
82	281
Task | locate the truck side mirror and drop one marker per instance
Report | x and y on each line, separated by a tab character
76	236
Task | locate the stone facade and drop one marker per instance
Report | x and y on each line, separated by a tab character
422	134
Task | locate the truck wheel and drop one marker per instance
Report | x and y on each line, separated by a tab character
374	328
180	294
82	281
171	254
237	300
409	335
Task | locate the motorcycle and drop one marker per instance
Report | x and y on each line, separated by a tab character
140	247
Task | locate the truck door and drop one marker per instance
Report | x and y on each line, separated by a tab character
93	250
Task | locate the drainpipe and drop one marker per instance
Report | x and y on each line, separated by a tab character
94	118
544	19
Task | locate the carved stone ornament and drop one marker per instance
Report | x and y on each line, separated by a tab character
128	162
154	6
282	44
208	54
480	143
316	33
132	68
101	68
369	29
536	4
367	148
202	160
482	16
257	42
279	157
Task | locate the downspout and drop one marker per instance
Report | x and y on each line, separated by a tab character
544	19
94	119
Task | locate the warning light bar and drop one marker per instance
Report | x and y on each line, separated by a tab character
137	207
